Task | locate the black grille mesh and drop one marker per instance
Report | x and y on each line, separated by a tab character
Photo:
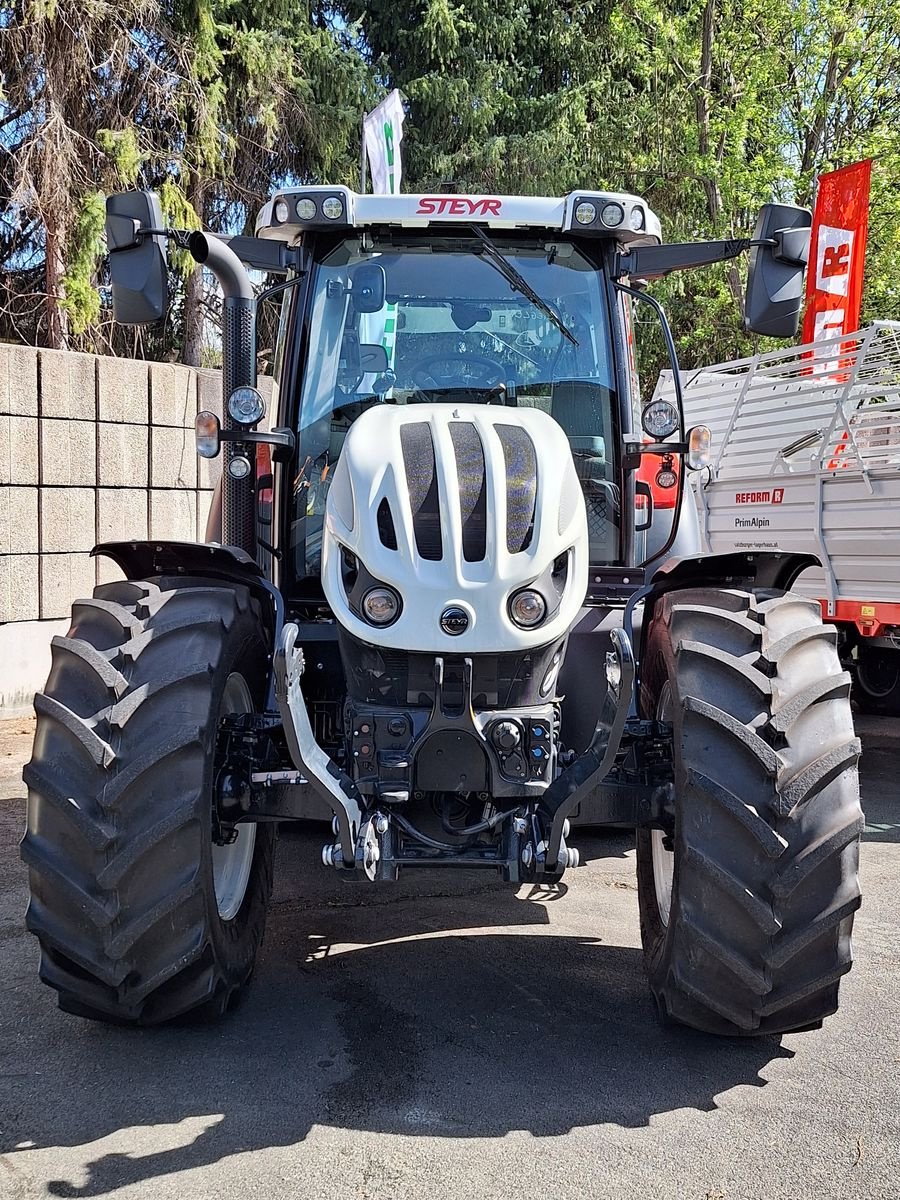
421	480
521	486
472	489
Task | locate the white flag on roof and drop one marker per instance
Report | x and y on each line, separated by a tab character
383	133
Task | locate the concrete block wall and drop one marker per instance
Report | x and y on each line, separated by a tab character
92	449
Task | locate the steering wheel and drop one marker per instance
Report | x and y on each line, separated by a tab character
445	371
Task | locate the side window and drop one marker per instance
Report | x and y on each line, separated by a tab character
281	337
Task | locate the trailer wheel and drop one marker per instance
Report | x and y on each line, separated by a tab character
747	903
140	916
877	686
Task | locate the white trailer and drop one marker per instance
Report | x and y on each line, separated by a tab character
806	457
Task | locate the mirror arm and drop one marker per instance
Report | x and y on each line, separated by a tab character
256	253
282	439
634	451
272	257
208	250
643	298
654	262
179	236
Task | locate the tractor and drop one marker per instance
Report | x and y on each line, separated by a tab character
452	600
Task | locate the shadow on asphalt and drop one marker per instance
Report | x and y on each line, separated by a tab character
878	770
881	797
385	1017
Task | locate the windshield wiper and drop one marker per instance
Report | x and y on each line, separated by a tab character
502	264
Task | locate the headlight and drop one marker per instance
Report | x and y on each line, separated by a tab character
381	606
528	608
660	419
585	213
282	212
246	406
240	467
637	220
333	208
306	209
612	215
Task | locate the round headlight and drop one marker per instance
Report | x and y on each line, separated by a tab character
585	213
659	419
306	209
666	478
612	214
637	220
246	406
333	208
282	212
239	467
381	606
528	608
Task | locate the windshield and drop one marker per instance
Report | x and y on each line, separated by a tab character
443	322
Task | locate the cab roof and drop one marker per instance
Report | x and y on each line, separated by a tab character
293	211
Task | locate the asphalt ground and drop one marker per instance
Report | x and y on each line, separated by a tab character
452	1039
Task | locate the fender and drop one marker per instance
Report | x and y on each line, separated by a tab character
208	562
742	569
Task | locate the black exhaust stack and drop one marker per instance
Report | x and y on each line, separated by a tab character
238	370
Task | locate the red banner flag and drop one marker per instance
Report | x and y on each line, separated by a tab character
837	252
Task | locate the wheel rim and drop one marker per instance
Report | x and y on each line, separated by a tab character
879	674
663	859
232	863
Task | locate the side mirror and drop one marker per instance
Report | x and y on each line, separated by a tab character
368	288
373	359
137	261
775	279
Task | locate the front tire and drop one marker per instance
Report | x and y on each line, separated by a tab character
755	934
140	917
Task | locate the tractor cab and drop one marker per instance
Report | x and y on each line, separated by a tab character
454	300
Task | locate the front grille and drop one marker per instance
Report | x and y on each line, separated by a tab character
521	486
421	480
470	472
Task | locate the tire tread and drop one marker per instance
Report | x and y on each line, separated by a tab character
761	936
115	944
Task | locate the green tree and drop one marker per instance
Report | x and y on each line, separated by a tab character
211	102
708	108
273	96
72	73
500	91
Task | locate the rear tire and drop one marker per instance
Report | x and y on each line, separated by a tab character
876	689
120	785
765	847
